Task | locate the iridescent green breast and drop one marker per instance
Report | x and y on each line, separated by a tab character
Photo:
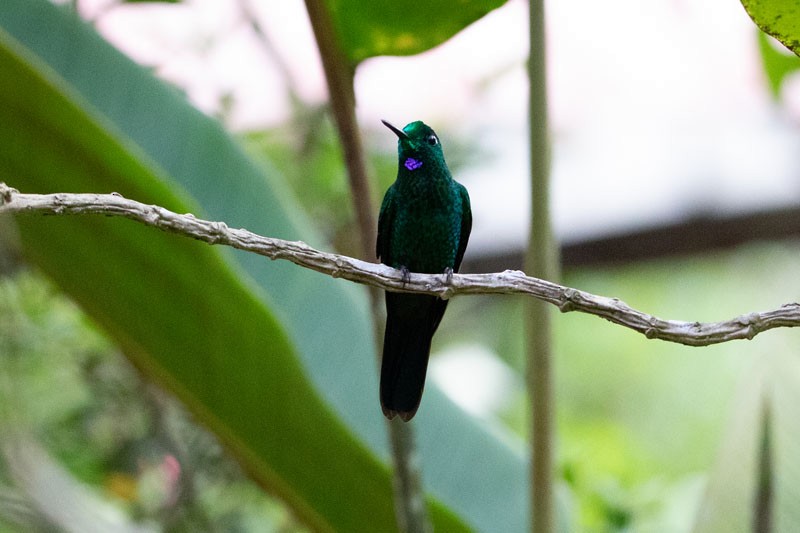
426	229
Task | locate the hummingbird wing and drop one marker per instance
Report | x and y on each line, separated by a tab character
385	222
466	225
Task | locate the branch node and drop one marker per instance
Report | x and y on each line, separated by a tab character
651	333
566	302
753	323
339	266
220	235
59	204
6	193
153	216
447	293
749	319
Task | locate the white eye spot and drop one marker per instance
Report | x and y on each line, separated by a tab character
432	140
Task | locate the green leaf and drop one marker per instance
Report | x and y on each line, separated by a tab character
771	390
385	27
178	310
777	65
779	18
277	360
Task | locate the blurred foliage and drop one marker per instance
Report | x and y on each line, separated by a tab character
116	433
308	153
640	421
778	62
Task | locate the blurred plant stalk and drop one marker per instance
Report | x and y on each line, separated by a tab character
541	262
410	509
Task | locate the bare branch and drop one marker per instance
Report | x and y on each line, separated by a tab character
384	277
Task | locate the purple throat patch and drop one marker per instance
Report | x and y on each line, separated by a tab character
412	164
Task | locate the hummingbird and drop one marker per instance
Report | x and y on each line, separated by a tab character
423	226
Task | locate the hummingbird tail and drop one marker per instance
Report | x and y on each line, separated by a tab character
410	324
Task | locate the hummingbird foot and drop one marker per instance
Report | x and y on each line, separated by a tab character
406	275
448	276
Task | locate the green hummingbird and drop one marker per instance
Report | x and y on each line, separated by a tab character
423	227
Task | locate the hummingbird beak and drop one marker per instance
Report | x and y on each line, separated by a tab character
400	133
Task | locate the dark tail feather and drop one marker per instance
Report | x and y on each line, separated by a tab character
410	324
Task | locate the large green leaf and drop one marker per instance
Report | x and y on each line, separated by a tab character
178	310
278	360
385	27
779	18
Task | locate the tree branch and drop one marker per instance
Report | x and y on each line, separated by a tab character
383	277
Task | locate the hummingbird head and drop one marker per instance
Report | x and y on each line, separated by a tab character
418	145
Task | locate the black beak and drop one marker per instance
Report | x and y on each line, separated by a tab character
400	133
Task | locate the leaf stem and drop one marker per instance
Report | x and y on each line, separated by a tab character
339	74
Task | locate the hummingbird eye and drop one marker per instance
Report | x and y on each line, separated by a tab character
432	140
